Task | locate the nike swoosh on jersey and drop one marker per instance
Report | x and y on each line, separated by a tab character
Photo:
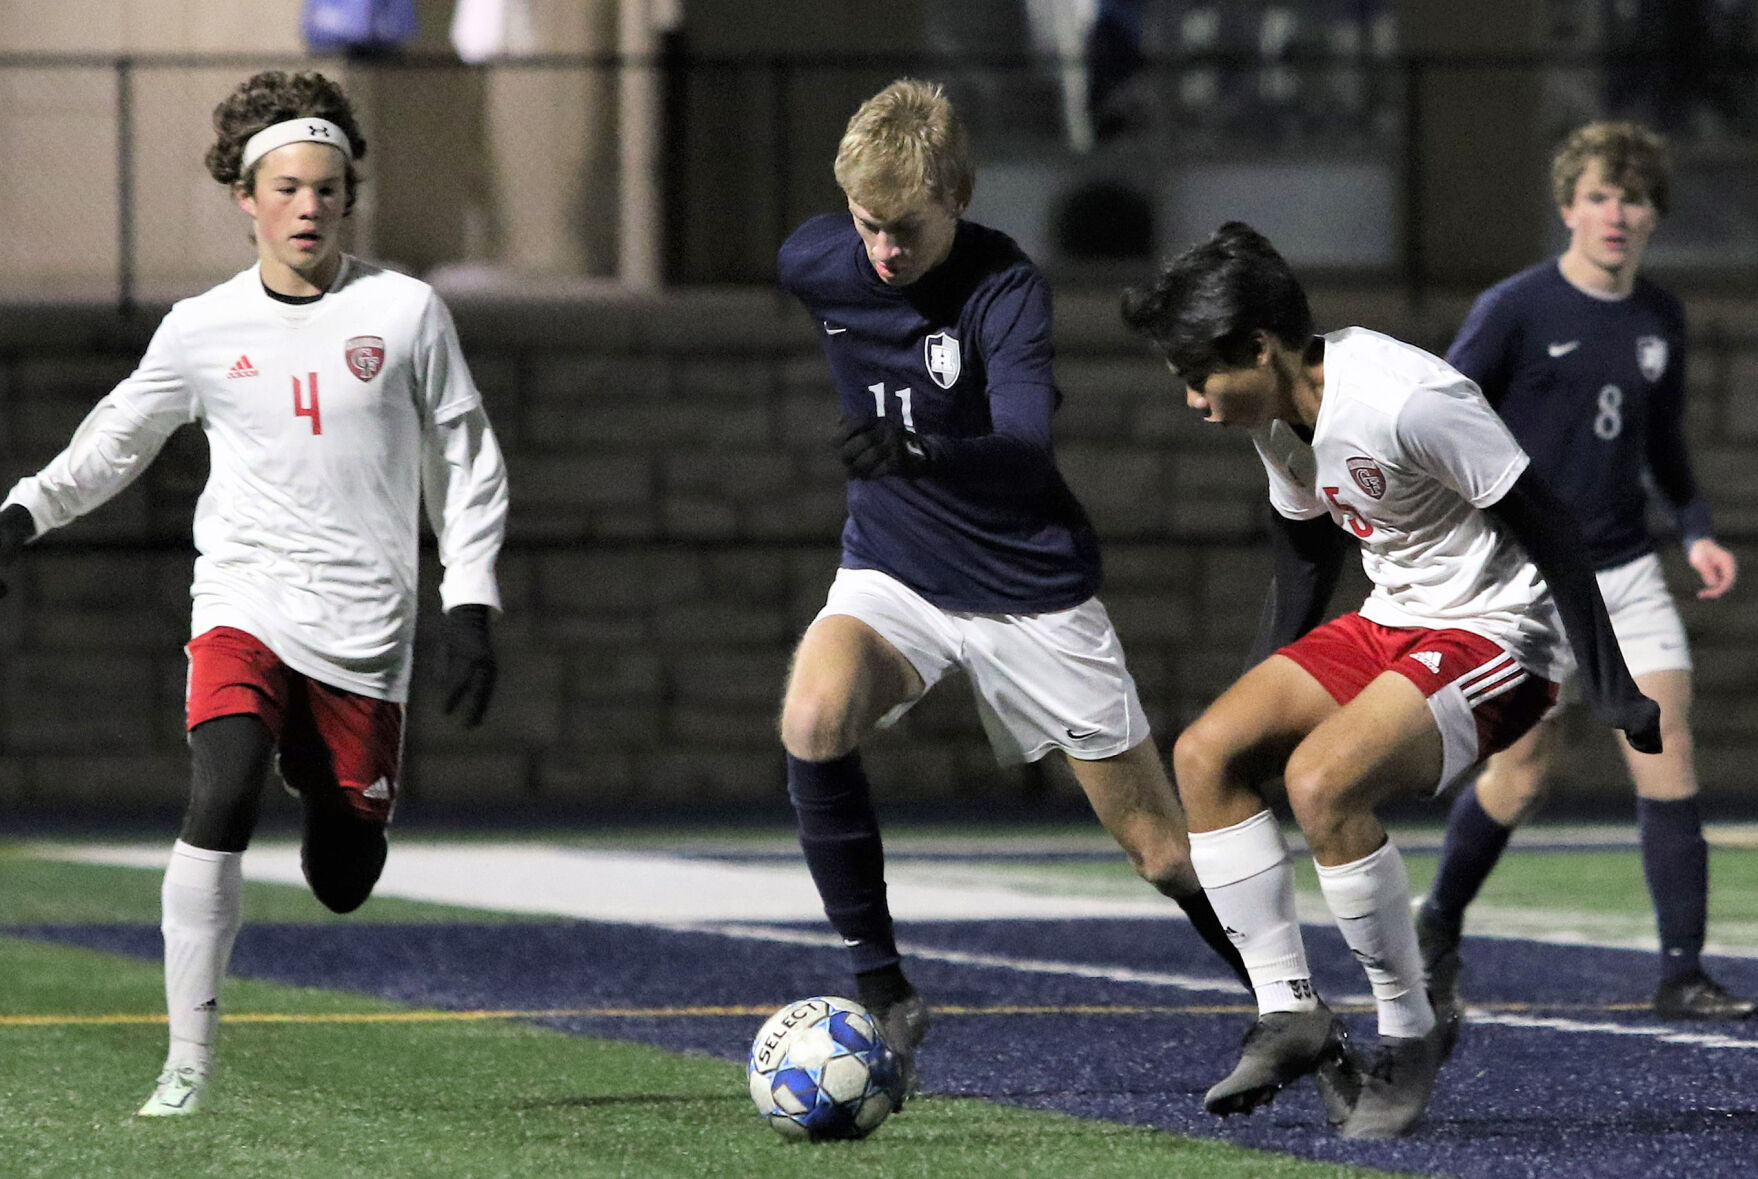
1564	348
834	331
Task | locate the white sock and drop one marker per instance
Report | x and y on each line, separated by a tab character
1249	878
202	901
1370	898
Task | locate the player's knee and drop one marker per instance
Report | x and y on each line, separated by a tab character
228	761
342	861
1199	761
1510	790
1319	799
814	729
1168	868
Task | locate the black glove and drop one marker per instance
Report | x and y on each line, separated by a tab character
470	663
1640	720
16	527
872	448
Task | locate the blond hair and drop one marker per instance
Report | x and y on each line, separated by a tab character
904	143
1631	156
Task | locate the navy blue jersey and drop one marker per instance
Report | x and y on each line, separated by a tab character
963	357
1594	389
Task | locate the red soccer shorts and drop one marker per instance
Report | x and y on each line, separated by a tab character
327	738
1482	700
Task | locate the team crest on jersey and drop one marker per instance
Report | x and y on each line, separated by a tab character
940	352
1651	356
1368	476
366	356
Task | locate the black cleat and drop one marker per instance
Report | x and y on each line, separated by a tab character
904	1025
1397	1085
1697	996
1279	1049
1441	965
1338	1082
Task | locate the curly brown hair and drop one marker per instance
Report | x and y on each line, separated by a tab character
271	97
1632	157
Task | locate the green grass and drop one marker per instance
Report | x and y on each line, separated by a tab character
330	1099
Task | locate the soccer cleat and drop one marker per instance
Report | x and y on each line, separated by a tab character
1697	996
179	1090
1396	1086
904	1024
1280	1048
1439	944
1338	1081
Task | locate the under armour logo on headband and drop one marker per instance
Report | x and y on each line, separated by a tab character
303	130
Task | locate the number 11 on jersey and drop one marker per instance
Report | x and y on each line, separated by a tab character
306	407
903	401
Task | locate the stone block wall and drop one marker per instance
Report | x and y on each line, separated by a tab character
676	509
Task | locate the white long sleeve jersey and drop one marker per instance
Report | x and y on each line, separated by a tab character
326	424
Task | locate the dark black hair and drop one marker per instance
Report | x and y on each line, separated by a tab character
1208	304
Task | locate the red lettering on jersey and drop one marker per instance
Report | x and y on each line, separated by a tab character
1351	517
307	408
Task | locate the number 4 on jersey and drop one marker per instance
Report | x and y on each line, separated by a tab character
306	407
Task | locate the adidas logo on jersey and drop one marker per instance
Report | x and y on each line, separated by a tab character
379	789
1429	659
242	369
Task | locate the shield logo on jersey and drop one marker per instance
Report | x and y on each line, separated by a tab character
1651	356
1368	476
365	355
940	352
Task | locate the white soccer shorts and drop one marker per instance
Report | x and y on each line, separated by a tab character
1046	681
1645	619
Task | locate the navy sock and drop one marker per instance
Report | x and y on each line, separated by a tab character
1473	845
1675	861
839	834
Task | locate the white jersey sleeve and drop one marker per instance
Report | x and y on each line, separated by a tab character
117	441
463	477
1450	431
1290	464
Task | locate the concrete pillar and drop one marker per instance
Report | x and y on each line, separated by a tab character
1478	147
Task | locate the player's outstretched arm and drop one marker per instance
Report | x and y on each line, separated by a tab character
1308	556
1543	523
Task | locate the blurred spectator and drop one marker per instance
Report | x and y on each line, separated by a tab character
358	27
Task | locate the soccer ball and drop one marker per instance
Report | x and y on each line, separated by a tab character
820	1070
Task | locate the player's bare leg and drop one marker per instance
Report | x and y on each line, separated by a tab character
1239	854
845	677
1134	799
1384	743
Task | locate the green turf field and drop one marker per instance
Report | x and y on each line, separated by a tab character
345	1085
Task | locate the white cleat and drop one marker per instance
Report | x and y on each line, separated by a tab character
179	1090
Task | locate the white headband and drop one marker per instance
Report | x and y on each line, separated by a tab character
307	130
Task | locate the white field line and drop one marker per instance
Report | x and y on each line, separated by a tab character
734	900
1651	1031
